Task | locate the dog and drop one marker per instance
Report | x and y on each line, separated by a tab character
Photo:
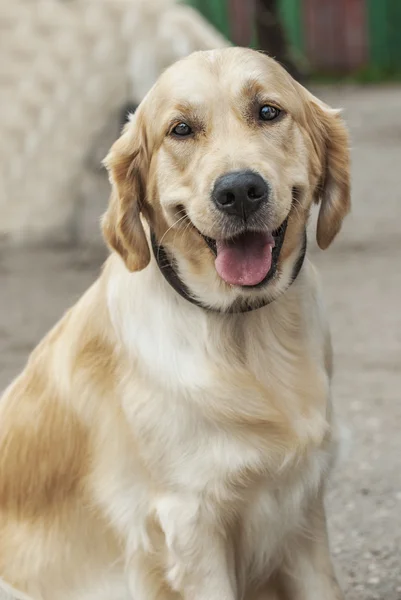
171	437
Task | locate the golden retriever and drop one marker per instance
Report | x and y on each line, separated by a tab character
171	437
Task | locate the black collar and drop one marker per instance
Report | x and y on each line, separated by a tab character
170	274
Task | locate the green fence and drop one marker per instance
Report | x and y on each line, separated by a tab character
376	22
215	11
384	32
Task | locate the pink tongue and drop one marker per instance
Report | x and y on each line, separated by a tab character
245	260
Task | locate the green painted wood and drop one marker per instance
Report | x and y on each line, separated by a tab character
215	11
291	13
395	34
384	27
377	30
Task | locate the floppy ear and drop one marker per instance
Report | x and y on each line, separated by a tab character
333	191
127	164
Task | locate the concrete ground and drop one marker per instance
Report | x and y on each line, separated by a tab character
362	282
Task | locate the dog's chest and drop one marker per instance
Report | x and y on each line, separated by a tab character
231	411
219	398
219	406
253	473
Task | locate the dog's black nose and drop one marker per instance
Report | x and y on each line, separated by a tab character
240	193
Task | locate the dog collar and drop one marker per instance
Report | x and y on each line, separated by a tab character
170	274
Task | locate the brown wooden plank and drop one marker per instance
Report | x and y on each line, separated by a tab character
335	33
355	29
242	18
324	34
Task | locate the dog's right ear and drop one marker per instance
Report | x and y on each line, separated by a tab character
127	165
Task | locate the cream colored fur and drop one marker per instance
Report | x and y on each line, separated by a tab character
154	450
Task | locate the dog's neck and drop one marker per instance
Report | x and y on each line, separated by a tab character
177	343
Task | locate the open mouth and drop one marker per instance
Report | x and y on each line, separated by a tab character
250	258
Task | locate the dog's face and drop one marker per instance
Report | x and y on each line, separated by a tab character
223	159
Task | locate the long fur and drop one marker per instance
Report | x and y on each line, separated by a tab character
152	450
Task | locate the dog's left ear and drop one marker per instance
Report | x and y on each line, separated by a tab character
333	191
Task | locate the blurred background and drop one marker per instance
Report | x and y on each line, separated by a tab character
70	70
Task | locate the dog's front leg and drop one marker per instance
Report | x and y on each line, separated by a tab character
200	564
309	573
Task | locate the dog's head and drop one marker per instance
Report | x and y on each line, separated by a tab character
222	162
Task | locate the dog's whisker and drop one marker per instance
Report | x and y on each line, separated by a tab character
171	227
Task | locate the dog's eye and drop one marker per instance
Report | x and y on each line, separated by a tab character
269	113
182	130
